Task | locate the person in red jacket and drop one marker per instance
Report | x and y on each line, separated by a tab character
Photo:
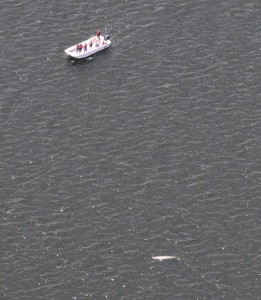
98	33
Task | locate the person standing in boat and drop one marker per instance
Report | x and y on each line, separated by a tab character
85	47
98	33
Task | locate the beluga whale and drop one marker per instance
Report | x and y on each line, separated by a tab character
165	257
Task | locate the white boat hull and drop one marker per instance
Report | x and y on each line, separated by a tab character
97	46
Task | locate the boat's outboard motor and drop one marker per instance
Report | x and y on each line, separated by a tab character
107	37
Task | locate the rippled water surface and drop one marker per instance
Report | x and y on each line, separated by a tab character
151	148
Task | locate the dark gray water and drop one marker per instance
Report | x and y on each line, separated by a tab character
151	148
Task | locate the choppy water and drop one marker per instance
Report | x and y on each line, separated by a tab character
151	148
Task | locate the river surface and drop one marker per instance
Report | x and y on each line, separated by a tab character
151	148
